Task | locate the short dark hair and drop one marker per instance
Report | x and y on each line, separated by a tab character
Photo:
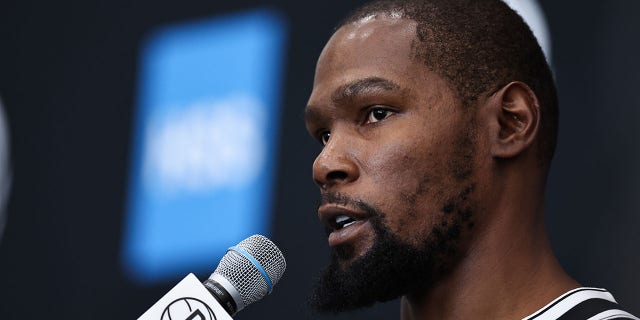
479	46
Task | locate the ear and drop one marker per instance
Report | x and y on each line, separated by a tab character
517	114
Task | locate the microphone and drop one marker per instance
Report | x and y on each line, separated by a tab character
246	274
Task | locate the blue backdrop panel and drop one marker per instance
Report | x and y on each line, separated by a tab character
205	142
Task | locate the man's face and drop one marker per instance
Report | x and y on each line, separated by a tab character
396	168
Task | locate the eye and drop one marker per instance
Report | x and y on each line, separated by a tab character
324	137
378	114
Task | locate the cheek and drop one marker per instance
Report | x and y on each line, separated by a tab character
396	165
405	179
402	162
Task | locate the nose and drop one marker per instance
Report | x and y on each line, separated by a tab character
335	165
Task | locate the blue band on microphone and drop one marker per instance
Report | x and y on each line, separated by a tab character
255	263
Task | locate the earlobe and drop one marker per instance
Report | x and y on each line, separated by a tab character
517	114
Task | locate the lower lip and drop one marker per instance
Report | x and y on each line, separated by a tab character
350	233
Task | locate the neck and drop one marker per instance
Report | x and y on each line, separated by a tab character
509	272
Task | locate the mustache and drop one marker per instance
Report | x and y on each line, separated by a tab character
342	199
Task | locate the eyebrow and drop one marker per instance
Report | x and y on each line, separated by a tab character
353	89
362	86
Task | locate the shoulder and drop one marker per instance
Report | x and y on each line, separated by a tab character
582	304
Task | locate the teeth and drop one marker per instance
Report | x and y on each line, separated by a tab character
341	219
348	224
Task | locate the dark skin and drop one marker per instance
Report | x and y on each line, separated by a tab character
392	130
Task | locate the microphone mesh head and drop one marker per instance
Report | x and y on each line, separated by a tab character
245	276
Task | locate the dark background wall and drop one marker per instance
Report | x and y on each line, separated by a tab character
68	80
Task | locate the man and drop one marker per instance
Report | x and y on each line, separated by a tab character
438	122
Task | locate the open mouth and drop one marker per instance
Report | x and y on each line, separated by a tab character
343	224
342	221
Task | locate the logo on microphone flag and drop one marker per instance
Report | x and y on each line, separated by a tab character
188	309
205	144
188	300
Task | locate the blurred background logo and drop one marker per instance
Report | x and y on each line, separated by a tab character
203	157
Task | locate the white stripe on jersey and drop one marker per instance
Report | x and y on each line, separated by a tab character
565	302
613	313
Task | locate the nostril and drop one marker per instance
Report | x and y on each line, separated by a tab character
336	175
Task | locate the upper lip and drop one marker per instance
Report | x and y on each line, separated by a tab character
327	214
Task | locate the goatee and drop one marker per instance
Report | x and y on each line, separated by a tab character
389	269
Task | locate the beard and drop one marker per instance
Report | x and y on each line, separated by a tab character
389	269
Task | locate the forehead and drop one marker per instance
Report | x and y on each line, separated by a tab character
372	48
368	47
